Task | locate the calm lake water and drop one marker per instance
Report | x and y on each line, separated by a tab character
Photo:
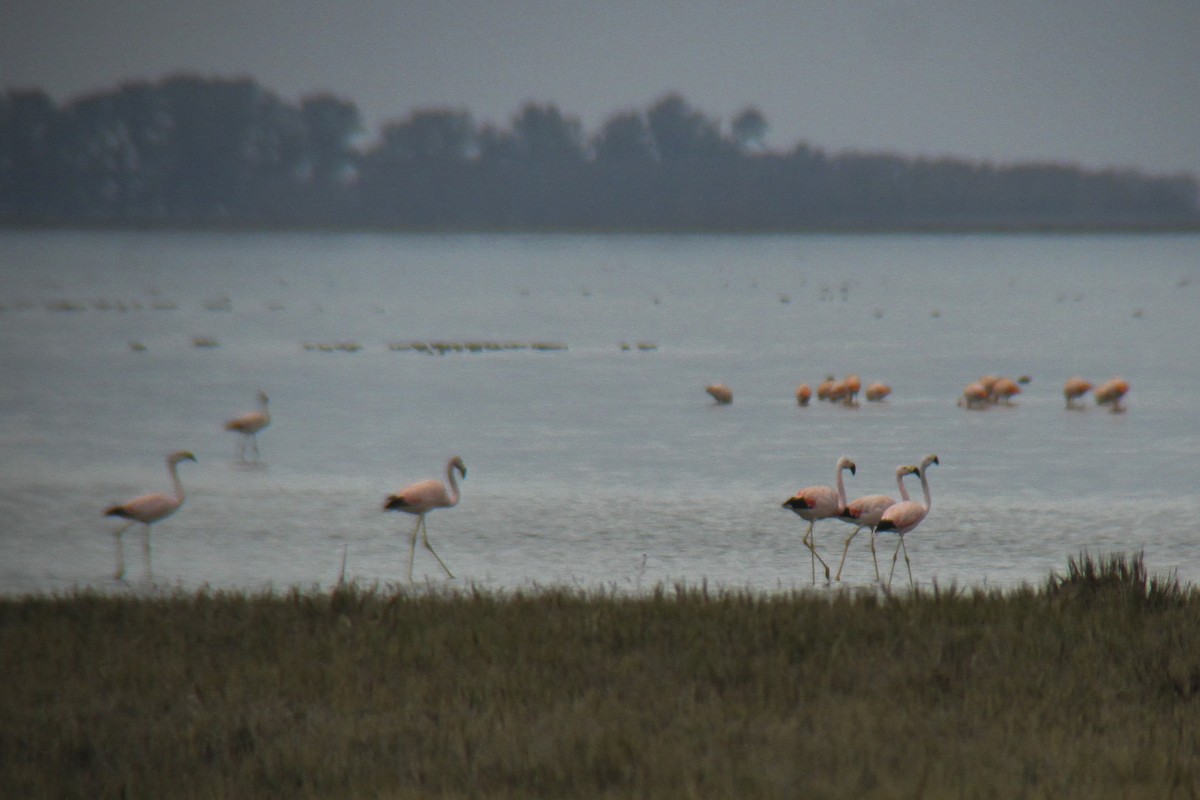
593	466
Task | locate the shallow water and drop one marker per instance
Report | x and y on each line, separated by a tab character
590	466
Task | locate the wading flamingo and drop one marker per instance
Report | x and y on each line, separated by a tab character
903	517
1110	393
803	394
820	502
824	386
1074	389
721	393
148	509
865	512
248	426
877	392
1004	390
975	395
422	497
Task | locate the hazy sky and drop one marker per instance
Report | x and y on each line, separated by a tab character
1092	82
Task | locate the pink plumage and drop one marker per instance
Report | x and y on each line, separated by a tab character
903	517
148	509
820	502
422	497
866	512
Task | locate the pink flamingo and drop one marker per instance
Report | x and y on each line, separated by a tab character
1110	393
878	392
422	497
148	509
1074	389
866	512
248	425
803	394
721	393
820	502
905	516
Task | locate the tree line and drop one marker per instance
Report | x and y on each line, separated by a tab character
189	150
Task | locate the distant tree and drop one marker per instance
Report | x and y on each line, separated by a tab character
749	129
30	157
680	132
419	172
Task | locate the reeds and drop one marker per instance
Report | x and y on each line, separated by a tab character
682	692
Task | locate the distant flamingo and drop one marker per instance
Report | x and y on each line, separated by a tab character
721	393
975	395
820	502
248	426
1074	389
866	512
877	392
1004	390
422	497
853	386
148	509
803	394
1110	393
903	517
824	386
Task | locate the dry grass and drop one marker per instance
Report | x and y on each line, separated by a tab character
1086	687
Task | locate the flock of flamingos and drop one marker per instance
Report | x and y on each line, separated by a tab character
880	513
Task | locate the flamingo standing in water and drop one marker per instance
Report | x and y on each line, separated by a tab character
422	497
148	509
903	517
803	394
721	393
878	392
866	512
1110	393
248	426
820	502
1074	389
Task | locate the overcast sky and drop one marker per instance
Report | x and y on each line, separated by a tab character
1096	83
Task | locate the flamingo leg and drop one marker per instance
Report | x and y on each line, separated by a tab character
907	563
896	555
146	551
429	547
120	573
810	542
412	545
876	561
254	443
846	550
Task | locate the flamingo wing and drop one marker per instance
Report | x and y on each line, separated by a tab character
419	497
147	508
902	517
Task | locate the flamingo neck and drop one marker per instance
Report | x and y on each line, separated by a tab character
173	468
900	483
841	487
453	484
925	488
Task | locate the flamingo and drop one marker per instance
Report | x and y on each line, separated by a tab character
803	394
248	425
1110	393
1004	390
422	497
148	509
1074	389
824	386
721	393
905	516
820	502
866	512
975	395
853	386
877	392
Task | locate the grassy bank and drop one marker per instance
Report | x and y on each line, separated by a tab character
1088	686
